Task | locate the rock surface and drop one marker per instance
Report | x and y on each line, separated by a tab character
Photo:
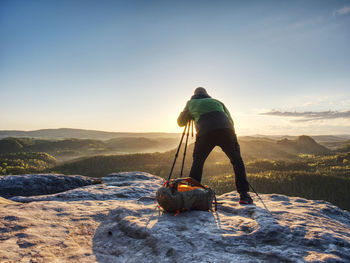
40	184
119	222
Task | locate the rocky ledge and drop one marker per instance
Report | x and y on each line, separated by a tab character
41	184
118	222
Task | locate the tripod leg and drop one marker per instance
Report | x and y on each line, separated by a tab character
192	123
177	152
183	160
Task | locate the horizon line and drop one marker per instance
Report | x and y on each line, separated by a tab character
150	132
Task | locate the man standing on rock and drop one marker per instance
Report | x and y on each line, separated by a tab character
214	127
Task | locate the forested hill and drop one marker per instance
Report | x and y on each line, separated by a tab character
66	149
285	151
73	148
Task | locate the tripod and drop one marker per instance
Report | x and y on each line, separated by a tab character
188	126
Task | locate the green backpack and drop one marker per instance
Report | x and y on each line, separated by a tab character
185	194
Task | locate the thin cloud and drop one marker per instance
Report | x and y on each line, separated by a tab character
342	11
310	115
308	103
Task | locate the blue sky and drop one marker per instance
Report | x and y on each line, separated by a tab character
132	65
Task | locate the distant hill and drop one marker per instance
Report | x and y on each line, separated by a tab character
66	149
65	144
66	133
317	138
333	142
267	148
285	150
137	144
302	144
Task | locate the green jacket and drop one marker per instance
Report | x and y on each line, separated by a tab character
208	114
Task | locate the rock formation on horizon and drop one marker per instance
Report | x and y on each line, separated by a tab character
303	144
119	222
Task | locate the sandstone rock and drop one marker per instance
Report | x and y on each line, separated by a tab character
119	222
40	184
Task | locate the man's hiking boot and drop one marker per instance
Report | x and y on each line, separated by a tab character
245	199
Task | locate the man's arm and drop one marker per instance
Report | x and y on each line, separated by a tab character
227	112
184	116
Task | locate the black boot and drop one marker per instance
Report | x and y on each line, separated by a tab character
245	199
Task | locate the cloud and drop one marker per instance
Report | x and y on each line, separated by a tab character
308	103
342	11
310	115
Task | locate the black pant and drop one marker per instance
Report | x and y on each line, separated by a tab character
227	140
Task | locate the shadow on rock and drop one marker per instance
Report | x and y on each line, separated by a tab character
141	233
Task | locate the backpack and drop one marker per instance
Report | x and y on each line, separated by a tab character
185	194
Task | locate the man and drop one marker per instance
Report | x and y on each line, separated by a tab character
214	127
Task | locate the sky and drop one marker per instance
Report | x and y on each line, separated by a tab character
280	67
